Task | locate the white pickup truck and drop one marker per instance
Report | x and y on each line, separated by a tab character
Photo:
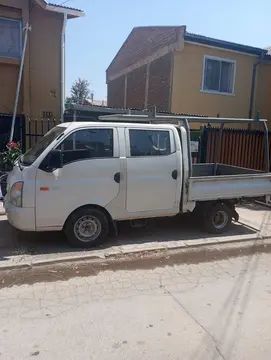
84	177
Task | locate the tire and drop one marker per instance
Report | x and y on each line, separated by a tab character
86	227
217	218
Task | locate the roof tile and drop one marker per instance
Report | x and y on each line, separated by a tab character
64	7
223	44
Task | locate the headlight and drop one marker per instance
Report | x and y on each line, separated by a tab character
16	194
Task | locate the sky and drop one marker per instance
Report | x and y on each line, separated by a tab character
93	41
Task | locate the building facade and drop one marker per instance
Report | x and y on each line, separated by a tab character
185	73
41	89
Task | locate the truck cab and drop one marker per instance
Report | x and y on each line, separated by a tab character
128	171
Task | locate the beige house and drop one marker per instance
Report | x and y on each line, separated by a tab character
42	91
186	73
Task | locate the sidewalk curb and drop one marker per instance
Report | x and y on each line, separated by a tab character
199	247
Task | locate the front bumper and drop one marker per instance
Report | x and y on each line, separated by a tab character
21	218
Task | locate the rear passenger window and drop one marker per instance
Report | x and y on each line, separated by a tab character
149	142
87	144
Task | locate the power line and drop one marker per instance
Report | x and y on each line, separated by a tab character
64	2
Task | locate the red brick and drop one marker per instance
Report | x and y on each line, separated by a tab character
159	83
142	42
115	92
136	82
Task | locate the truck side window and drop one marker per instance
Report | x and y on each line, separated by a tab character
149	142
87	144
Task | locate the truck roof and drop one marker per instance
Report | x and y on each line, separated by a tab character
79	124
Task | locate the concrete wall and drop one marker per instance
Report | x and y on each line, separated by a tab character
9	68
40	90
187	96
8	82
45	52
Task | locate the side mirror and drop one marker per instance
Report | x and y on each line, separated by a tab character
52	161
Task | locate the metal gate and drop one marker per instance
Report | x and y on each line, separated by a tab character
239	147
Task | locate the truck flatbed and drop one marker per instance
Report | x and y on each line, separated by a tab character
227	183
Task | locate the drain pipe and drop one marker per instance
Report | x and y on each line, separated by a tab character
252	93
62	67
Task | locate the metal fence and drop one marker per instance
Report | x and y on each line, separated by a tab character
36	128
238	147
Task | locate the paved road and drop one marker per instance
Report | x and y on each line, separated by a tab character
206	311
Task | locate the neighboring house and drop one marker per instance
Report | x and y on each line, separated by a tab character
94	102
42	89
182	72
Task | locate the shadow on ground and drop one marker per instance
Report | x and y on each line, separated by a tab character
254	206
13	242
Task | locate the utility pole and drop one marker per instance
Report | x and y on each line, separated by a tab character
27	28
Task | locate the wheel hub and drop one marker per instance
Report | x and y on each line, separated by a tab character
87	228
220	219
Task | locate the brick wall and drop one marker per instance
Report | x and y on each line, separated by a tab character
136	83
159	83
115	92
143	42
158	91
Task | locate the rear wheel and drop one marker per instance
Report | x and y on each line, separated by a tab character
217	218
86	227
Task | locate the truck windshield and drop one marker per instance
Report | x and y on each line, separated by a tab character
31	155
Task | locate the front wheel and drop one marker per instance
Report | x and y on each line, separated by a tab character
217	218
86	227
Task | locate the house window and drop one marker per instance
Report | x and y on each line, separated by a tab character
10	38
218	75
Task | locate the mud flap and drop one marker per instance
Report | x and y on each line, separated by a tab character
235	215
231	206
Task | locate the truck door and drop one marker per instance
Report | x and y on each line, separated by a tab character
90	175
153	170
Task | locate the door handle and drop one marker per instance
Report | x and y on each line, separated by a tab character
174	174
117	177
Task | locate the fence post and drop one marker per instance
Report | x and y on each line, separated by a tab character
29	132
23	133
204	144
266	147
36	130
218	146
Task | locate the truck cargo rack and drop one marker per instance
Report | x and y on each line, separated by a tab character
153	118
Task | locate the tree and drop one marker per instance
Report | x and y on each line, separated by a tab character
80	92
